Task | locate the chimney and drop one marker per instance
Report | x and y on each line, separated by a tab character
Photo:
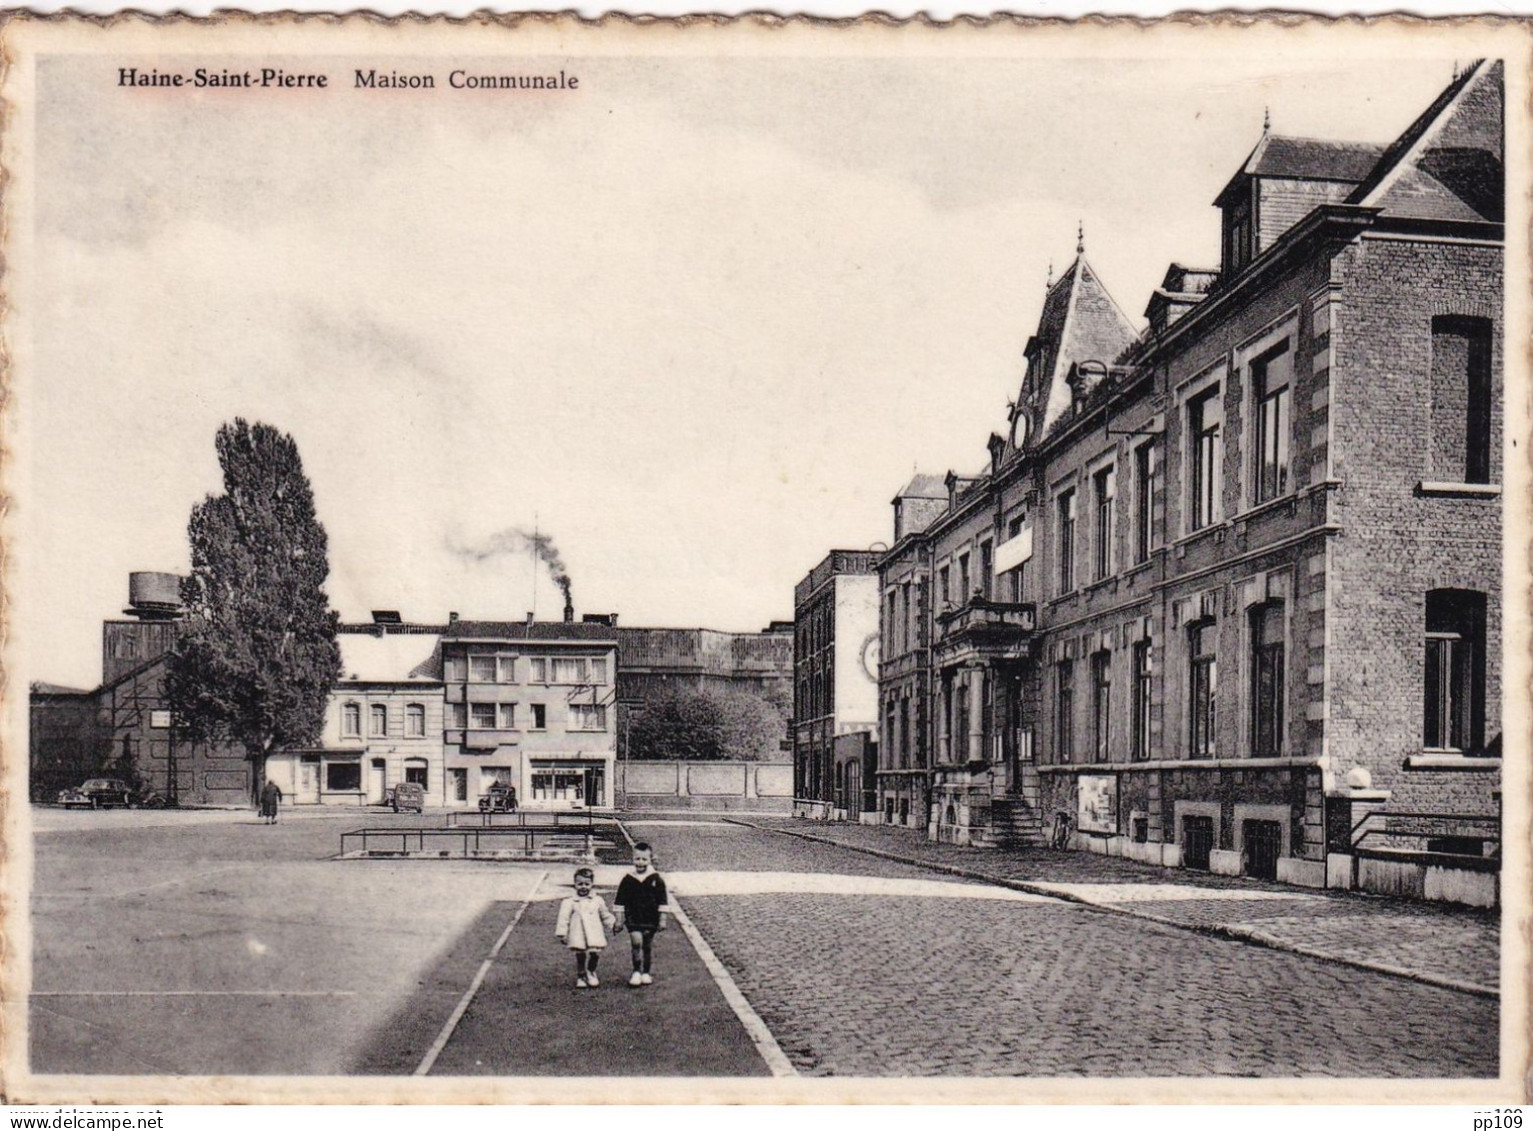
530	617
569	609
452	618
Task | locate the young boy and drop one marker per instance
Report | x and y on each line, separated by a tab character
583	924
643	899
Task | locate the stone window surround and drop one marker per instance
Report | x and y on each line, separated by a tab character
1182	809
1284	326
1215	379
1282	814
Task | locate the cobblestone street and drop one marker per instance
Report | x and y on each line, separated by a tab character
857	977
1433	941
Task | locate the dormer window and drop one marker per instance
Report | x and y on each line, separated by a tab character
1238	241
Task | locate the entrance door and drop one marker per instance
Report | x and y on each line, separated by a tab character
1263	842
853	790
1197	841
308	782
375	782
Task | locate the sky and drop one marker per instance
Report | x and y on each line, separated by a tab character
696	323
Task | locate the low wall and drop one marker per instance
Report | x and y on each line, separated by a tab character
759	787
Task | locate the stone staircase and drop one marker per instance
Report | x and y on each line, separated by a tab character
1014	824
1016	820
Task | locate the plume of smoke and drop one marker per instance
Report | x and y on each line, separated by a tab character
513	541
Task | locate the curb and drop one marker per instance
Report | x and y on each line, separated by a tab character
756	1029
1212	930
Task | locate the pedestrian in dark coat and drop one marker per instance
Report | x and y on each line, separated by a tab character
271	797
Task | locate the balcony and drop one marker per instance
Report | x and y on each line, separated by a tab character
987	631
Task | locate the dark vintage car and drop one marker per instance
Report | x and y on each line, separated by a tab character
408	795
499	798
98	793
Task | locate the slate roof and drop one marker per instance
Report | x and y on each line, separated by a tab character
1080	322
1448	165
924	486
538	630
1305	159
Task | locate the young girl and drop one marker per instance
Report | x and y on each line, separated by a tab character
583	925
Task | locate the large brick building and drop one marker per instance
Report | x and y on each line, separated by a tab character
835	695
455	707
1228	593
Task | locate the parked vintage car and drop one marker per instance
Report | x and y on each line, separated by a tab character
97	793
408	795
499	798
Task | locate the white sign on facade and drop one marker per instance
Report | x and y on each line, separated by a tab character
1097	803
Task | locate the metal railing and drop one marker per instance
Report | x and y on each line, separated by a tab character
477	840
1423	827
569	819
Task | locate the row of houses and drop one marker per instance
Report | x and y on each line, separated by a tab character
1227	593
457	707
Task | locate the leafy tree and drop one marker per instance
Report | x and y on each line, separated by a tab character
258	657
706	724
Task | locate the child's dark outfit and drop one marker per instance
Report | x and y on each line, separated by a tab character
642	899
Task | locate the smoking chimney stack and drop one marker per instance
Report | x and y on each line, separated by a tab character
569	608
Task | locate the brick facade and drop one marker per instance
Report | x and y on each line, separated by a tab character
1226	653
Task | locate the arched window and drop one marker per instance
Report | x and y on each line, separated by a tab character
351	720
415	721
378	721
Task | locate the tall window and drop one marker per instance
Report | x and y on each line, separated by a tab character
964	592
539	670
1105	487
457	715
597	669
1142	672
482	715
1101	704
1271	376
453	669
1207	451
505	669
987	568
961	722
1067	541
378	721
481	669
1146	482
539	717
1064	711
351	720
1454	709
1267	677
905	732
415	721
1461	399
1203	687
907	618
945	585
507	716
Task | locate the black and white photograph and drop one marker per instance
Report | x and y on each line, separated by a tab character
762	561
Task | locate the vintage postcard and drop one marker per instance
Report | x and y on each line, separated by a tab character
765	560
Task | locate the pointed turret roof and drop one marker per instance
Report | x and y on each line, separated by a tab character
1080	322
1449	164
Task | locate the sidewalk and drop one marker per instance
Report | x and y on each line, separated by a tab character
528	1019
1437	944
